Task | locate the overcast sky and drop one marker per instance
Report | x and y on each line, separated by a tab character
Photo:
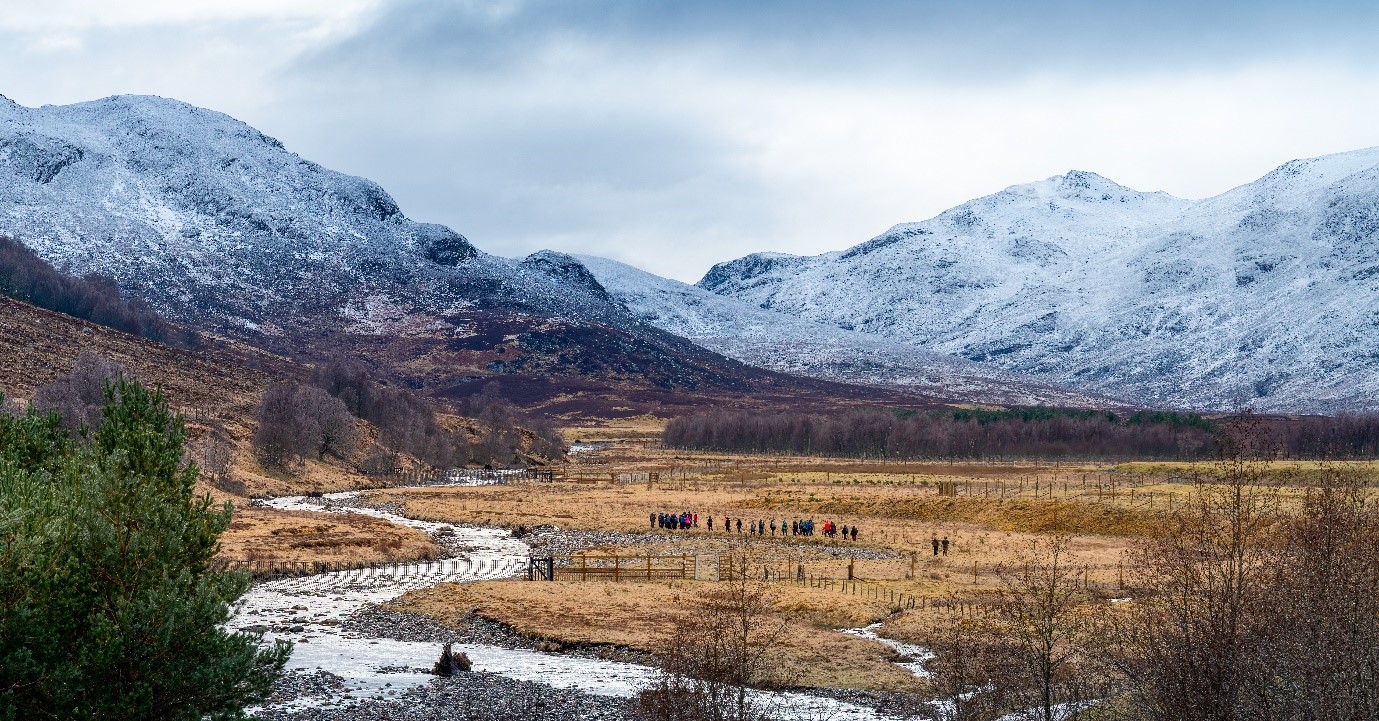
673	135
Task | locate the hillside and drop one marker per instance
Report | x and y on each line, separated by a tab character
1264	296
789	344
219	227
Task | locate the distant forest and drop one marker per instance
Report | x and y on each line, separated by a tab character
27	277
1017	433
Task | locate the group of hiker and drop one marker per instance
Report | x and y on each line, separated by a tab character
690	519
675	521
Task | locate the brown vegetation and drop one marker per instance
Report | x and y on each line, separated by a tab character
641	616
259	534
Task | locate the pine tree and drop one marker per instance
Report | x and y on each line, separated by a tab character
110	606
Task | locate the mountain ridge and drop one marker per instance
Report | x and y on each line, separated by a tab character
1258	297
220	227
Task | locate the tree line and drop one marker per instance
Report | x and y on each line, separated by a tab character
875	433
316	419
27	277
1017	433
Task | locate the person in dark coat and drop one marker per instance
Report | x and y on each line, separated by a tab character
854	533
710	524
935	540
653	520
945	545
739	525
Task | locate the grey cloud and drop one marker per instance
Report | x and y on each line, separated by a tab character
993	38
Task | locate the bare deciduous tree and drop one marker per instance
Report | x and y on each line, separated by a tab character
1191	648
717	651
971	671
1040	597
79	395
296	421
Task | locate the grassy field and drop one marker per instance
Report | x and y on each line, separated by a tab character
638	615
999	511
258	534
991	513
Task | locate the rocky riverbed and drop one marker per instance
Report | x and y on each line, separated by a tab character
475	696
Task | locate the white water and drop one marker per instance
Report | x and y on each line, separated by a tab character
917	654
379	667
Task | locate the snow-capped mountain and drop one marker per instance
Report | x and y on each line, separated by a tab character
784	343
1266	296
219	226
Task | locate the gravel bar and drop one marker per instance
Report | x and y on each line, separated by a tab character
475	696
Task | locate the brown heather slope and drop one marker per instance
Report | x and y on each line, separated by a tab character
222	383
574	372
225	377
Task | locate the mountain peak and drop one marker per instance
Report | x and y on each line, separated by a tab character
1087	185
567	269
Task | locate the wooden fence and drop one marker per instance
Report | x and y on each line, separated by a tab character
622	568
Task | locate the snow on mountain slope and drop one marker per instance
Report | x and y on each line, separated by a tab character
783	343
218	226
1264	296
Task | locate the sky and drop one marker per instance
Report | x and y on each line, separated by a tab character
674	135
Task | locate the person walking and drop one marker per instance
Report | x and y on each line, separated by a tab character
753	530
794	528
945	545
773	528
710	520
935	539
653	520
739	525
854	534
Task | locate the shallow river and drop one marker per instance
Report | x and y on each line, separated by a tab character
306	609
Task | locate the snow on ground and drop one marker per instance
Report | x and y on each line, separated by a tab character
788	343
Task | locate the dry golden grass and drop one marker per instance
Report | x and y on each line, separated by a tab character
1285	472
644	428
258	534
885	521
638	615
